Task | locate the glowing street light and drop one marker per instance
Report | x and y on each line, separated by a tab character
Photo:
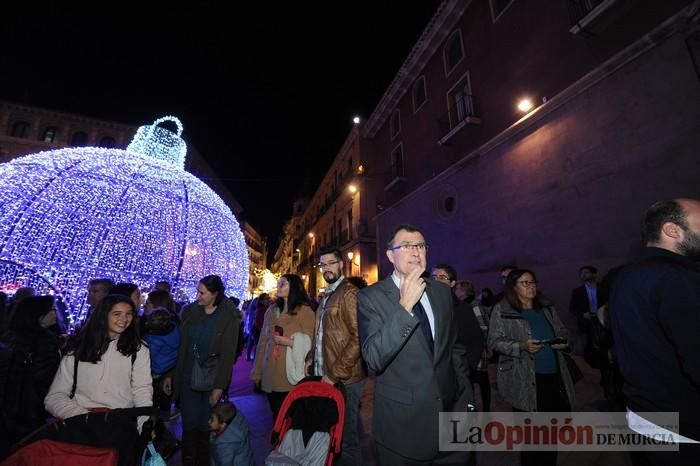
525	105
356	120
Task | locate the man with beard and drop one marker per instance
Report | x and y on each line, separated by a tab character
336	348
655	316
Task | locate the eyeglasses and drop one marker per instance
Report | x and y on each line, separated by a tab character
526	283
410	247
440	276
327	264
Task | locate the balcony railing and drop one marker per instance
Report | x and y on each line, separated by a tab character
583	13
393	177
463	112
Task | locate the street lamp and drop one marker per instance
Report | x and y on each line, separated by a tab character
525	105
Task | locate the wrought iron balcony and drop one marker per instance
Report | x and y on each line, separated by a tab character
462	113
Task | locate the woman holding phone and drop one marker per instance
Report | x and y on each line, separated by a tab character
289	314
528	336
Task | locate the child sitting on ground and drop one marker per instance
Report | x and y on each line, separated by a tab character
229	445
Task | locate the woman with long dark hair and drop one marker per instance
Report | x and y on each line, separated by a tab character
290	314
209	333
529	338
36	357
106	366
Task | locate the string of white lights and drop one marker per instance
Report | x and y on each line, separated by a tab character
70	215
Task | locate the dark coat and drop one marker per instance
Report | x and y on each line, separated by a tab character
34	362
223	342
579	304
469	333
412	384
655	318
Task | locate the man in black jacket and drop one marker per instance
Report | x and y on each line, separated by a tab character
583	305
655	318
469	331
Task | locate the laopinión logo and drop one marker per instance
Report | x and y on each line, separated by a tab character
546	431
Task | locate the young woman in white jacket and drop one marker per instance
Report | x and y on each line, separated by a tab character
113	365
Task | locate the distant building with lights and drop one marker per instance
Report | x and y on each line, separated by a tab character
257	257
614	126
286	256
339	214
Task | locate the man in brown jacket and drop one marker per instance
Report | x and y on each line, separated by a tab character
336	348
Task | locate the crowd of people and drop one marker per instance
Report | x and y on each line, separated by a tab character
427	336
121	370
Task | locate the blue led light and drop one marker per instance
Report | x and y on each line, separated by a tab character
70	215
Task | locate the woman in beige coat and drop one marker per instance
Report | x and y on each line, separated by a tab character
290	314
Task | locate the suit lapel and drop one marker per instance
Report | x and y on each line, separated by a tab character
392	291
436	304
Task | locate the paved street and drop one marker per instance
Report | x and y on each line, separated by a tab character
256	410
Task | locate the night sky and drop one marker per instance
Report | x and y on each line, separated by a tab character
266	93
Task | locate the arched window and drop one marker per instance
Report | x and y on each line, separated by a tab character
79	139
20	129
453	52
108	142
50	134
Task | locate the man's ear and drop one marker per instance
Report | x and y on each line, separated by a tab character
390	255
671	230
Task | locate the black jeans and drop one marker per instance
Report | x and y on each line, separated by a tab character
482	379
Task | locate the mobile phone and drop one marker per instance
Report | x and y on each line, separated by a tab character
279	331
555	341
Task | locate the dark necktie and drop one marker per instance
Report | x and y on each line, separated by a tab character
422	317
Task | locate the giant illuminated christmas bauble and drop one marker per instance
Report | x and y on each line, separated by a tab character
68	216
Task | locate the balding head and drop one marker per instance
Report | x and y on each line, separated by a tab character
674	225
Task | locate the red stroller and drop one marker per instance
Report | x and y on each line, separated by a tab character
311	407
102	437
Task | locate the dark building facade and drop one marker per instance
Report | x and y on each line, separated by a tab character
615	126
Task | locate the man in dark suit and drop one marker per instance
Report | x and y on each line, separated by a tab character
409	340
584	304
